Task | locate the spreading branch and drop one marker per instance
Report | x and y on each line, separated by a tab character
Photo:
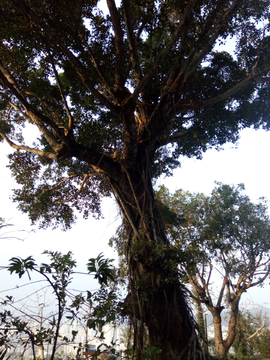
31	114
212	32
103	81
250	79
45	155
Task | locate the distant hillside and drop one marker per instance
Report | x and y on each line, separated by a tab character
257	309
225	316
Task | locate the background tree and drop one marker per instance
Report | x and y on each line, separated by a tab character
115	98
252	336
224	236
261	343
242	347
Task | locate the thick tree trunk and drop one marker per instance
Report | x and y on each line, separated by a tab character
156	297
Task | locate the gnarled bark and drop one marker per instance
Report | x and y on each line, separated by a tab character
157	299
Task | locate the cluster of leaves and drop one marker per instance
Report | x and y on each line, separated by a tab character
50	198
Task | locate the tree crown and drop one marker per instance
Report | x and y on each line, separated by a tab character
225	229
149	80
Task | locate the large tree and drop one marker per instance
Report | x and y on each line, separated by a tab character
225	239
116	97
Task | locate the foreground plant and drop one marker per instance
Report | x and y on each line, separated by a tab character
21	325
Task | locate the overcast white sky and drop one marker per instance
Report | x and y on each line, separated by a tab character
248	164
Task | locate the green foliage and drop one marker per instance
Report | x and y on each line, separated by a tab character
262	345
150	352
244	329
21	266
202	326
105	309
61	268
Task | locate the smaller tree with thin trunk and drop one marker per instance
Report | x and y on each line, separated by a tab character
21	325
252	339
225	241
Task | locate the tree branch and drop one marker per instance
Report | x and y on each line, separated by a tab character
60	182
193	60
101	162
32	114
130	142
45	155
173	138
258	330
174	37
97	67
225	281
70	117
260	281
250	79
201	291
132	43
195	297
86	176
196	56
119	46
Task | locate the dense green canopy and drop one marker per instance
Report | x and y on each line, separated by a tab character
148	77
224	232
